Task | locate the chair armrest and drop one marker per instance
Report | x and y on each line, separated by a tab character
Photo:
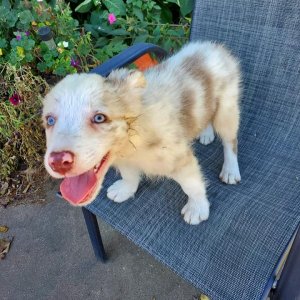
128	56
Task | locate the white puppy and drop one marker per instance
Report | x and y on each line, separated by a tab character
144	123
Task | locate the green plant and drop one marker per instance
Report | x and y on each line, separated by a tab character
20	43
117	24
21	136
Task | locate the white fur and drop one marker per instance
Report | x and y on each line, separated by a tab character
125	188
150	127
230	171
207	136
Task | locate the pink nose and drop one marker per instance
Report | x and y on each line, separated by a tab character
61	162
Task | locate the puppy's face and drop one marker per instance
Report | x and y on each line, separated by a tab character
87	118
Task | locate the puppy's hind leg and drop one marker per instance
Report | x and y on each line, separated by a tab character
191	181
226	124
126	187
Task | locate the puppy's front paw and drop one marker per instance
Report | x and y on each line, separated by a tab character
230	174
120	191
195	211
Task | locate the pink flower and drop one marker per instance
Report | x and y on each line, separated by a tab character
27	33
111	19
18	37
15	99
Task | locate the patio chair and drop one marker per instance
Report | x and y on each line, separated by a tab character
240	251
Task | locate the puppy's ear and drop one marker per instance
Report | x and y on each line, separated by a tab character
136	79
131	78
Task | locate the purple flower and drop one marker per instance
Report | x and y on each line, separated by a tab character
111	19
27	33
74	63
18	37
15	99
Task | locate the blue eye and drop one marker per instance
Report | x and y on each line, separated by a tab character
99	118
50	121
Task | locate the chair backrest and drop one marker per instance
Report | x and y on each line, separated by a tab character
265	36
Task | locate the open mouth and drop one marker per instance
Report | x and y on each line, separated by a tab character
79	190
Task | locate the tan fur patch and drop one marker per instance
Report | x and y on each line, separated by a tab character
187	117
121	100
234	146
194	67
154	142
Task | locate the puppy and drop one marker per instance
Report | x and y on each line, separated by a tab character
144	123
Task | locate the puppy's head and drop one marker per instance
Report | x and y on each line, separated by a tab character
87	118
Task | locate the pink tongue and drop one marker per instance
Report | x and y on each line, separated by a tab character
76	189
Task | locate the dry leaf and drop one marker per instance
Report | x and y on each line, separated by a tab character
203	297
3	188
27	188
3	229
4	246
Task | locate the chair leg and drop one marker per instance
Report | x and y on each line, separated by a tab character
94	233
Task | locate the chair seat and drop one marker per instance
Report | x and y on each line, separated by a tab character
233	254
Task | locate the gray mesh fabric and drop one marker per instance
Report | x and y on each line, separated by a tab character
232	255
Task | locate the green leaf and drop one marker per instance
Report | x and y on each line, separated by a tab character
11	20
83	49
97	17
186	6
97	2
167	44
141	39
118	47
155	40
103	29
101	55
179	32
84	7
139	3
4	11
174	1
156	31
138	13
14	59
119	31
42	66
115	6
101	42
60	71
28	44
3	43
14	43
49	63
25	17
47	57
166	15
92	29
29	57
6	4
